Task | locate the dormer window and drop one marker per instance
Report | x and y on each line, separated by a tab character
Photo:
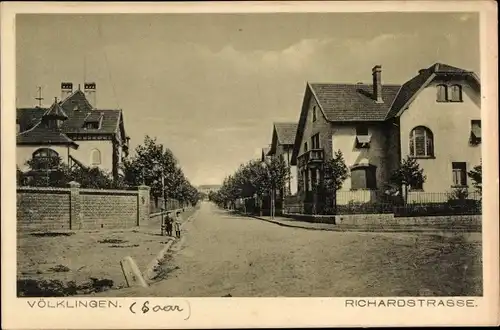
475	132
93	121
363	138
54	123
92	125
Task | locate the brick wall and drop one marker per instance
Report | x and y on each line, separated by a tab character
108	209
45	209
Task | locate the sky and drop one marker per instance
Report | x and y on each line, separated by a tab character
210	86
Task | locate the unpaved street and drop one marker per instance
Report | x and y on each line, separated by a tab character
226	254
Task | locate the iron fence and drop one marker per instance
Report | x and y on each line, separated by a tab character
371	202
156	204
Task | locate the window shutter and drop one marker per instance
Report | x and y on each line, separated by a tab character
358	178
441	93
371	179
456	93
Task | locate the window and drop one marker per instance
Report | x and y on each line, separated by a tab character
451	93
456	93
362	137
95	157
363	177
53	123
44	159
475	132
18	128
361	130
459	170
92	125
314	114
315	141
421	142
305	146
417	186
442	93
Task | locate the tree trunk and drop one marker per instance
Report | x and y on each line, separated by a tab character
334	201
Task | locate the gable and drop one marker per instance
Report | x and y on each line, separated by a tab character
411	89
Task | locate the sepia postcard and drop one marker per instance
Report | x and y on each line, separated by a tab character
249	164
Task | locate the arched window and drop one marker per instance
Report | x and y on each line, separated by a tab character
95	157
421	142
442	93
314	113
44	159
456	93
363	176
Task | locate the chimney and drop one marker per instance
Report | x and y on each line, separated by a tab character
377	83
89	89
66	90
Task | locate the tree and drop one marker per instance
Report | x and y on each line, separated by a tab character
335	173
93	178
250	179
409	174
49	171
476	175
153	163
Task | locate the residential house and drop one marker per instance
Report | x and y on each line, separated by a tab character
434	117
265	154
283	138
208	188
74	129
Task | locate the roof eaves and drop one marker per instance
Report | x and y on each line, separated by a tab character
299	133
412	98
317	101
392	103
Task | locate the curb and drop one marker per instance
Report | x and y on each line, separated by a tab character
367	230
150	270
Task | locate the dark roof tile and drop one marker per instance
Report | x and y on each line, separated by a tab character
286	132
77	110
56	111
40	134
353	102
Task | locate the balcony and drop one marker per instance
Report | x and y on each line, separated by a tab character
311	157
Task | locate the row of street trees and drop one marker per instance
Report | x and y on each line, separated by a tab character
254	179
152	165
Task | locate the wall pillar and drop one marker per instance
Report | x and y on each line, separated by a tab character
142	204
75	221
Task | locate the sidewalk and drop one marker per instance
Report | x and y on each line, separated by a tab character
289	222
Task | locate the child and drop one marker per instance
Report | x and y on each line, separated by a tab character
177	224
169	223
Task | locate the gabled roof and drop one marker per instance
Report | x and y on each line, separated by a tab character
76	101
77	110
353	102
412	87
283	134
286	132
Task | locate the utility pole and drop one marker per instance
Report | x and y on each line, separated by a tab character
39	98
